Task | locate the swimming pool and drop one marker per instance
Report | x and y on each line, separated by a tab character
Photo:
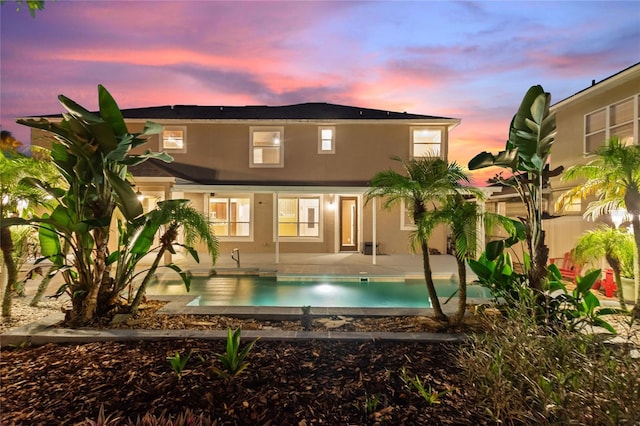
268	291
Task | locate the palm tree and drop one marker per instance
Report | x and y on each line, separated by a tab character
171	215
462	218
16	200
614	178
427	182
612	244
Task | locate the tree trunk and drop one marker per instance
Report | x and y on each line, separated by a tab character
462	290
6	244
42	287
143	287
90	305
431	288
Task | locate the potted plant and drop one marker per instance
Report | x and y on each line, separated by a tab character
613	244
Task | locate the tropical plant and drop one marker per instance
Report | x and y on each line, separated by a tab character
495	270
526	156
430	395
171	216
576	309
92	152
17	200
613	177
427	182
614	245
178	363
233	360
462	216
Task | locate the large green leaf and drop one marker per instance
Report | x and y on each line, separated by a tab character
50	246
133	160
143	239
126	199
110	112
104	136
78	110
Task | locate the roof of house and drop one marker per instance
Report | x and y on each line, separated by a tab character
626	73
304	111
310	110
209	176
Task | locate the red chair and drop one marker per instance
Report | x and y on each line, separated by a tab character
569	269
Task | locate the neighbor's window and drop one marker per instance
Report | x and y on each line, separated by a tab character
426	142
326	140
174	138
298	216
230	216
266	147
617	119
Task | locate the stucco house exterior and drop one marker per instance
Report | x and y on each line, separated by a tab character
287	179
585	121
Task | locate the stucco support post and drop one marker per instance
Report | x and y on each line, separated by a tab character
375	234
275	226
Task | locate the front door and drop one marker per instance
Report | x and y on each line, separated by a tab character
348	224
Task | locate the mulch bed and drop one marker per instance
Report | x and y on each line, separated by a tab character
299	383
286	383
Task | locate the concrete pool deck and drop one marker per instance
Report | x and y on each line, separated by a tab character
340	264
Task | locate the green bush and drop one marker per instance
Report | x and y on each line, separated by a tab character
523	374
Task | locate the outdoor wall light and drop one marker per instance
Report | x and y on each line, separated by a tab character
618	216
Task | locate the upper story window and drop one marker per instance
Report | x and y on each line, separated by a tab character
174	138
426	142
326	140
230	216
620	119
299	217
267	148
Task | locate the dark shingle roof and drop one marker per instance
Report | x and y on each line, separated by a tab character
306	111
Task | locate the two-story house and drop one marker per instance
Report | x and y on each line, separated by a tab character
287	179
585	121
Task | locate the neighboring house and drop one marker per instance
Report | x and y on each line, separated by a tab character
584	121
287	179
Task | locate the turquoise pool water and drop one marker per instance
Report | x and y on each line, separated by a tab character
267	291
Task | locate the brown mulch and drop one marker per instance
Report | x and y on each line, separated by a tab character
287	382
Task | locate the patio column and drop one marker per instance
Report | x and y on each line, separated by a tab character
375	235
275	225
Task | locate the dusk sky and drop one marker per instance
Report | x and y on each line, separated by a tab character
467	60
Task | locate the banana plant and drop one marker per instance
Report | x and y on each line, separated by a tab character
92	152
526	157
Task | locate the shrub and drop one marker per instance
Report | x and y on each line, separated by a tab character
523	374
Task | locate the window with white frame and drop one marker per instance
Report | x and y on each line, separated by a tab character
230	216
266	148
326	140
298	216
174	138
620	119
426	141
